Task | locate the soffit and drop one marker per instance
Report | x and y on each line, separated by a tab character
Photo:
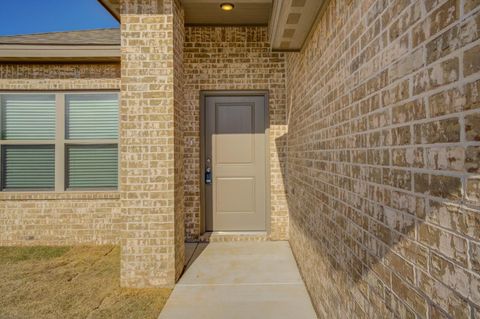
291	23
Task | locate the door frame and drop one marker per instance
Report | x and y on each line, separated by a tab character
203	97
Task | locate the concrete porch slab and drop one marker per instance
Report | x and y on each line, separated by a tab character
240	280
219	237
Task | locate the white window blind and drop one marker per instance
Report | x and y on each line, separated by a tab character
92	166
91	116
28	166
28	117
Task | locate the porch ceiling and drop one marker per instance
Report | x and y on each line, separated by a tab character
208	12
289	21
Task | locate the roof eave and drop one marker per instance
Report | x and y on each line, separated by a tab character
290	26
59	53
112	9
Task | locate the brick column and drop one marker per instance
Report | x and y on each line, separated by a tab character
147	146
179	130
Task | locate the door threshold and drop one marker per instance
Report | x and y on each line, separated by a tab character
226	236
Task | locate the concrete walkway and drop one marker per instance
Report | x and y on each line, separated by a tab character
240	280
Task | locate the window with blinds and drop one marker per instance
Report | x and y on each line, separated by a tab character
58	141
92	166
91	116
29	166
28	117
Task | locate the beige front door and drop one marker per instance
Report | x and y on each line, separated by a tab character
235	164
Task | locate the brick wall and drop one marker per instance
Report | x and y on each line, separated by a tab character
71	76
147	145
59	218
233	58
68	71
384	159
179	115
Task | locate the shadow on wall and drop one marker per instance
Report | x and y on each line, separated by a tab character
192	252
357	255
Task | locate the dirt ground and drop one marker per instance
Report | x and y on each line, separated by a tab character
70	282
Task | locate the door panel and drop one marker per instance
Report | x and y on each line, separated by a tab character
235	152
234	135
235	195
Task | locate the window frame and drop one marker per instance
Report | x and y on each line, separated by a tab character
60	143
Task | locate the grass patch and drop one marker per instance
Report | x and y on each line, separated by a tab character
71	282
16	254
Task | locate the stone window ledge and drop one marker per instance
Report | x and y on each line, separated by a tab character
83	195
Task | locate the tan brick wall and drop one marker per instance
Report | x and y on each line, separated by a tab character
148	172
383	159
68	71
179	114
59	218
51	77
233	58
